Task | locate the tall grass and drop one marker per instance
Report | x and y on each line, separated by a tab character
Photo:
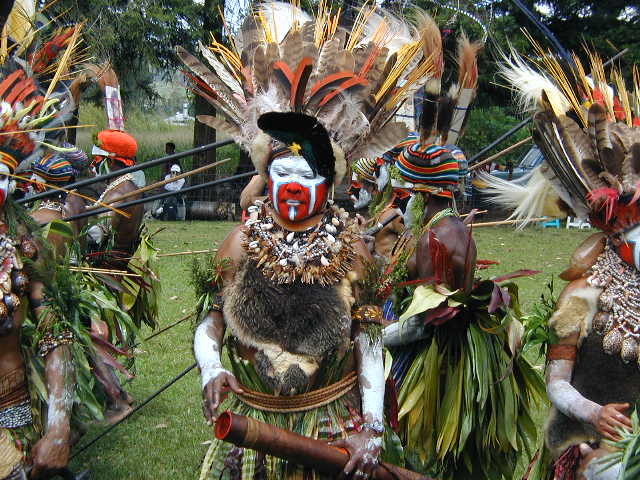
152	133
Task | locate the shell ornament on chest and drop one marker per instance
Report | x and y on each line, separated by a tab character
14	282
323	254
618	317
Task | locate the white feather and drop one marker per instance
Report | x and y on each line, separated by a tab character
528	84
527	199
399	34
281	17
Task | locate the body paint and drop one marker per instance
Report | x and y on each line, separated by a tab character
565	397
207	353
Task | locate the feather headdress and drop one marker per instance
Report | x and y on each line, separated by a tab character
35	98
286	61
588	134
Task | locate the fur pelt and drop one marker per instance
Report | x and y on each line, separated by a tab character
286	322
577	306
602	379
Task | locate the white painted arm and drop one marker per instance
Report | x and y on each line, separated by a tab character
565	397
370	377
397	334
60	375
207	344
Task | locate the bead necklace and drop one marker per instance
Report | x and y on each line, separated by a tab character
111	186
618	318
51	205
322	254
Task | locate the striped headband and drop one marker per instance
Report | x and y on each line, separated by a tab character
53	169
8	160
431	168
365	168
390	156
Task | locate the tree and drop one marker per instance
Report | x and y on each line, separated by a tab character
138	37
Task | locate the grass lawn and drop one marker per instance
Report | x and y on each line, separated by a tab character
166	439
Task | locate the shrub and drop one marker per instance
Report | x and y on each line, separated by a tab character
485	125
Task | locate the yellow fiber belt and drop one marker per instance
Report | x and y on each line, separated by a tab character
298	403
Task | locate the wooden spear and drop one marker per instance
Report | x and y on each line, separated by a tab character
500	154
508	222
161	183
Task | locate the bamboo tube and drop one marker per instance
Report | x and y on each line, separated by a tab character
509	222
162	182
501	153
250	433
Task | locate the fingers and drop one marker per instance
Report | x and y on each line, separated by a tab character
348	468
233	384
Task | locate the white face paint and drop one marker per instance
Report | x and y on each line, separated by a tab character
5	183
295	190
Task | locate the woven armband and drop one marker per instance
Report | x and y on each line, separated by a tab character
368	314
50	342
562	352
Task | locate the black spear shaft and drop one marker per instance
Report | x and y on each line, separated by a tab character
123	171
98	211
564	53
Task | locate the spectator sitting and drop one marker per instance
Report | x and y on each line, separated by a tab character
172	207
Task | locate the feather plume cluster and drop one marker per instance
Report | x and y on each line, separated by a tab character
588	133
444	114
352	82
35	98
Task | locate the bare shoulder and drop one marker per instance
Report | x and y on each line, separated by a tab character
232	250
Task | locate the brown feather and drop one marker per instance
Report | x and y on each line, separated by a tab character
326	59
220	123
381	141
260	70
292	48
468	62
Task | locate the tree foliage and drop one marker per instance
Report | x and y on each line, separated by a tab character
138	37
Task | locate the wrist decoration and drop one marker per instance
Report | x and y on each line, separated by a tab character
217	304
368	314
375	427
562	352
50	342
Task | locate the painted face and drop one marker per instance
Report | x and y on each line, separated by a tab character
629	248
295	191
5	183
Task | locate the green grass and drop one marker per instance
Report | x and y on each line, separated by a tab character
165	439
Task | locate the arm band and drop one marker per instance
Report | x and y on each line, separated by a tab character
562	352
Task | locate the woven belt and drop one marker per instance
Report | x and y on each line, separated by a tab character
298	403
13	388
10	456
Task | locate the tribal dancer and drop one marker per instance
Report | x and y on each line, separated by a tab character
591	143
56	169
466	396
47	339
383	233
304	101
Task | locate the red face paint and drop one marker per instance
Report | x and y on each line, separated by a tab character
295	190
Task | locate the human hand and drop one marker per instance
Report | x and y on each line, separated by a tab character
364	449
610	418
215	391
50	455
